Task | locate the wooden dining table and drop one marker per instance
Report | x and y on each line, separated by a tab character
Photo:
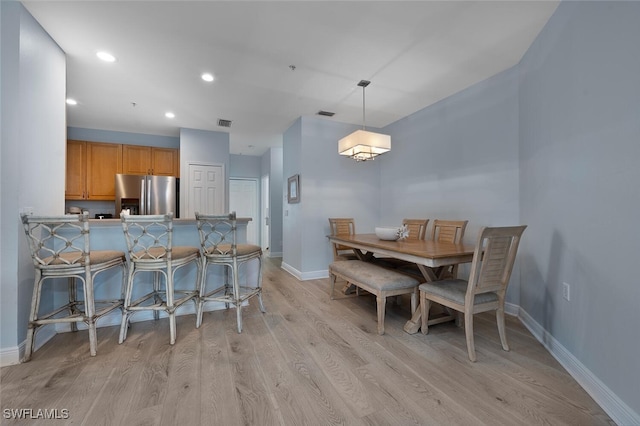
431	257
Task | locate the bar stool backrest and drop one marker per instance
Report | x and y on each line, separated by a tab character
58	242
149	237
218	234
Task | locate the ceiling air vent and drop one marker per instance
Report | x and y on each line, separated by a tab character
224	123
326	113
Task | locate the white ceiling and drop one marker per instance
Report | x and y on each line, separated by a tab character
415	53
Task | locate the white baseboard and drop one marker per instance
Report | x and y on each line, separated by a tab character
305	276
13	355
620	412
290	269
10	356
275	254
511	309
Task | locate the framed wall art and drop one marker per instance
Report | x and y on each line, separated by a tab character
293	189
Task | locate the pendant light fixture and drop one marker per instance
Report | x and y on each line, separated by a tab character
363	145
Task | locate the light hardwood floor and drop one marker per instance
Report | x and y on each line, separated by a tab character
307	361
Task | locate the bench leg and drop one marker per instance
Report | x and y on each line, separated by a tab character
382	302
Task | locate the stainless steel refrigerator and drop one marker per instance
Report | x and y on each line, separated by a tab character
147	194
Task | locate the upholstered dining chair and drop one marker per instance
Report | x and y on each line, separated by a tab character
491	267
342	226
151	251
219	246
60	248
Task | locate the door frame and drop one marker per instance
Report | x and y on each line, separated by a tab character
265	220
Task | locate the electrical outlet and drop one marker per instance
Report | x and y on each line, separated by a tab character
566	292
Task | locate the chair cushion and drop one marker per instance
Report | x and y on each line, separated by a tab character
373	275
225	250
181	252
77	258
159	253
455	291
103	256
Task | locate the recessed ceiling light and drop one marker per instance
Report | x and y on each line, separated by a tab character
106	56
207	77
169	115
71	101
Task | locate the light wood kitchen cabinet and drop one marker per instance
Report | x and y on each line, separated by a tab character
91	170
75	183
147	160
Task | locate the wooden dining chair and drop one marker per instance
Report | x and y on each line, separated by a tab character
485	290
342	226
417	228
417	231
451	231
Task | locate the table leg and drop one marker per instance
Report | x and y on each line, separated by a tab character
348	288
364	256
413	325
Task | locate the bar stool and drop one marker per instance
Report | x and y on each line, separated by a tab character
218	241
60	248
150	249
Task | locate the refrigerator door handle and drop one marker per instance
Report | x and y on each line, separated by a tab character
147	205
143	196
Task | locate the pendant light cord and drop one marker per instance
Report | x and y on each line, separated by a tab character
363	121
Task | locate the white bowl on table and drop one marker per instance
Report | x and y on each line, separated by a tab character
389	233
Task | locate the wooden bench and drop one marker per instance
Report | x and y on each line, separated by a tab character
376	280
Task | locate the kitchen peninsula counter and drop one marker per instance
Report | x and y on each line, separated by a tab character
107	234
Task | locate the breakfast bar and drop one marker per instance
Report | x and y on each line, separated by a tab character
107	234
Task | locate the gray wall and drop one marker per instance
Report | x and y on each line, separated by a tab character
579	186
457	159
292	216
96	135
245	166
271	164
330	186
33	117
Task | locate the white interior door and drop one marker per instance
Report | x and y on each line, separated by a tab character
205	189
243	199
